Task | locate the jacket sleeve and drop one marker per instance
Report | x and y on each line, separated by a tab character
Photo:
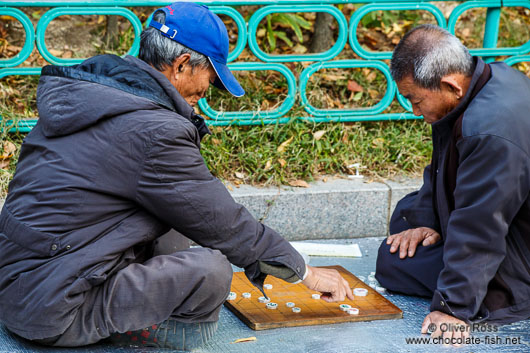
420	212
491	186
176	186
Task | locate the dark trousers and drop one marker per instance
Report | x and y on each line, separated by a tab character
188	285
415	275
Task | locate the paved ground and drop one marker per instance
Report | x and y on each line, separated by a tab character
376	336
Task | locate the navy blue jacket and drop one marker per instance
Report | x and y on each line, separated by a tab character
476	193
112	164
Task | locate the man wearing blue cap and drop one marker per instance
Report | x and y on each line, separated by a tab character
112	165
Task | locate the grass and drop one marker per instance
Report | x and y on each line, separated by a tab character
281	154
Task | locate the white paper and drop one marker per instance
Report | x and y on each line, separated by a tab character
332	250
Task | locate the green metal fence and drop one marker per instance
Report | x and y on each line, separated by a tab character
247	34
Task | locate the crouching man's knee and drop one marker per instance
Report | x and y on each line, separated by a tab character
207	282
217	273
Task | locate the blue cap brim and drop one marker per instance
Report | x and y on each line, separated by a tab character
226	80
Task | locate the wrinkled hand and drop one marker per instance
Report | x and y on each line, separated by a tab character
408	240
454	330
334	288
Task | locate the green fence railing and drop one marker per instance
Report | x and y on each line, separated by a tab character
247	34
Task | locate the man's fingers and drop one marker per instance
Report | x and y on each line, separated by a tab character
404	247
390	239
395	243
413	244
432	238
425	325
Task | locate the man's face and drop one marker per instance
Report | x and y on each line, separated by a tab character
433	105
192	84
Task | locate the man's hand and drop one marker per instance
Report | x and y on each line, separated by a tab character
408	240
334	288
452	329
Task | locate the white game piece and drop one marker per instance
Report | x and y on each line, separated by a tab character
344	307
290	304
372	284
372	273
296	310
263	300
267	286
360	292
247	295
380	289
232	296
353	311
315	296
271	306
371	278
361	278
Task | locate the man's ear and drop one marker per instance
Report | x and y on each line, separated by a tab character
180	63
454	83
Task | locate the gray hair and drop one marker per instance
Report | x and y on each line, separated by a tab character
160	51
428	53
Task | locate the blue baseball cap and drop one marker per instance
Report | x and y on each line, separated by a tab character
197	28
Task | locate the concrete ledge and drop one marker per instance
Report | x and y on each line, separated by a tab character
339	208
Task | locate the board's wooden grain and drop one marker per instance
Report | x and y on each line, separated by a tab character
314	311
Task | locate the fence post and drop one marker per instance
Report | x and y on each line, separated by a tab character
491	30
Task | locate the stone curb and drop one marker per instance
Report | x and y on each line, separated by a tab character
336	209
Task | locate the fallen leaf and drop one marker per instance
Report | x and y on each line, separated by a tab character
331	77
55	52
373	93
318	134
466	32
67	54
371	76
239	175
4	164
354	86
261	33
345	137
378	142
299	49
8	150
268	165
282	162
284	144
229	187
357	96
248	339
216	141
299	183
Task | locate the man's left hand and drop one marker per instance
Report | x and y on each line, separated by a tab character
447	326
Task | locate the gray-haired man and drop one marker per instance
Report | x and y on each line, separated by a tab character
472	213
113	164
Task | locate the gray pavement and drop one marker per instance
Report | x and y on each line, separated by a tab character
374	336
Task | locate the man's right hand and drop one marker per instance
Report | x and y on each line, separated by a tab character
408	240
329	282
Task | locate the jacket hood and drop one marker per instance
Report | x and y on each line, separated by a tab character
73	98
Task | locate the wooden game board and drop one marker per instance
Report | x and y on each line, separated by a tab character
314	311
